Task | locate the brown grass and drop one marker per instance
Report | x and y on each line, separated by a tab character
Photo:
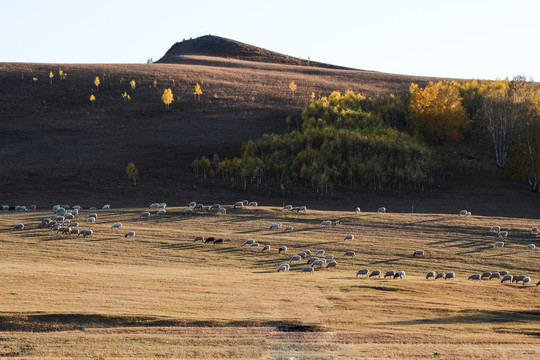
162	295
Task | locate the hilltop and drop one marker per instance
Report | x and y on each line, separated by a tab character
58	147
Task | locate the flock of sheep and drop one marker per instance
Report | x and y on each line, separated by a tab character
63	222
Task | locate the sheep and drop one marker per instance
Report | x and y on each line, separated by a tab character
221	211
375	273
390	273
274	226
331	265
161	205
318	263
362	272
5	207
74	231
338	222
192	204
495	275
538	283
92	208
440	275
495	229
65	206
187	212
59	218
312	259
130	234
498	244
295	258
116	226
287	208
400	274
91	220
249	242
503	234
300	208
198	238
54	208
198	207
215	207
288	229
266	248
253	203
163	212
518	278
450	275
69	216
503	272
94	215
320	252
468	214
349	237
18	227
106	207
64	230
32	208
209	240
430	274
325	223
86	233
218	241
308	269
302	254
507	277
76	207
349	253
153	206
329	257
308	252
238	204
254	245
463	213
534	230
357	210
245	202
526	280
55	227
144	215
381	210
282	249
418	253
530	247
283	267
486	274
474	277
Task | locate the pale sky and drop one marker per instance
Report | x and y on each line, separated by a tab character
457	39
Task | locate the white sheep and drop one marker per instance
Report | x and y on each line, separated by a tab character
312	259
332	264
418	253
318	263
283	267
287	208
503	234
266	248
350	253
274	226
329	257
106	207
206	208
381	210
76	207
320	252
507	277
18	227
198	207
400	274
300	208
153	206
495	275
222	211
302	254
440	275
191	204
450	275
5	207
362	272
518	278
249	242
307	252
308	270
116	226
495	229
145	215
530	247
253	203
282	249
389	273
32	208
295	258
215	207
162	205
463	213
498	244
486	274
526	280
349	237
357	210
375	273
430	274
130	234
198	238
325	223
238	204
503	272
94	215
163	212
288	229
474	277
187	211
74	232
86	233
91	220
534	230
254	245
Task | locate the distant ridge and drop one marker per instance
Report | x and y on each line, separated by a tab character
210	45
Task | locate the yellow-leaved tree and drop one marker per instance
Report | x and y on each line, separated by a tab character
97	82
292	87
132	173
51	75
167	97
133	84
437	112
92	98
197	92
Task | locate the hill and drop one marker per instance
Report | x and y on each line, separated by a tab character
58	147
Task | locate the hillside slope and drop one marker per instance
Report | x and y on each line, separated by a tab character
58	147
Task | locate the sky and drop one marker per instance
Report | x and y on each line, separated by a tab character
464	39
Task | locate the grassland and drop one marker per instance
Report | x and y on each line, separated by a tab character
160	295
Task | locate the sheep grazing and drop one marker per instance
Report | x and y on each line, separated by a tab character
302	254
474	277
503	234
209	240
308	252
249	242
144	215
282	249
283	267
238	204
32	208
399	274
518	278
338	222
130	234
274	226
381	210
91	220
94	215
329	257
440	275
495	275
325	223
507	277
287	208
463	213
349	253
363	272
312	259
450	275
186	212
74	232
198	207
357	210
215	207
106	207
5	207
218	241
495	229
86	233
320	252
308	269
503	272
18	227
254	245
221	211
526	280
163	212
288	229
375	273
418	253
64	230
299	208
116	226
331	265
349	237
530	247
486	274
538	283
498	244
266	248
534	230
198	238
55	227
295	258
390	273
318	263
191	204
253	203
430	274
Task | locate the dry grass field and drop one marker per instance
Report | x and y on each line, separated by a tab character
162	295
